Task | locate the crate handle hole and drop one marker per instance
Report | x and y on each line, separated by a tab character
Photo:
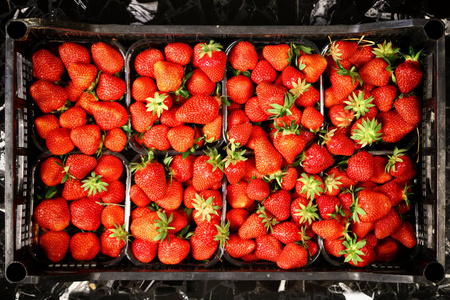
434	29
17	30
434	272
16	272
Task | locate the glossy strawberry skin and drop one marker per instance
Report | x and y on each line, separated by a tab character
51	171
52	214
277	56
263	71
179	53
46	123
72	52
86	214
107	58
409	75
87	138
48	96
144	251
293	256
169	76
199	109
47	66
243	56
109	115
59	142
110	88
84	246
317	159
55	244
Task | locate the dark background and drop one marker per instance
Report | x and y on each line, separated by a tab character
222	12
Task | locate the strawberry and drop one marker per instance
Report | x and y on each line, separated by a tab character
181	138
287	232
47	66
376	72
388	224
85	101
112	241
312	119
396	192
375	205
180	168
73	190
212	60
269	95
340	117
237	117
243	56
338	144
257	224
55	244
312	65
344	179
145	61
237	195
328	206
361	229
173	250
156	137
51	171
150	177
268	159
237	247
309	186
141	119
87	138
144	227
48	96
258	190
409	108
342	50
72	118
236	217
143	88
334	247
109	115
358	253
380	176
84	246
85	214
107	58
400	165
144	251
263	71
277	55
362	55
58	141
332	184
74	93
82	75
405	235
257	131
205	241
169	76
111	215
386	250
278	204
200	84
168	117
207	170
240	88
360	166
234	164
138	196
179	53
110	88
393	126
303	211
307	94
329	98
289	143
52	214
291	76
70	52
250	257
330	229
115	193
189	195
199	109
293	256
174	196
268	248
343	82
316	159
46	123
115	140
384	96
409	73
213	131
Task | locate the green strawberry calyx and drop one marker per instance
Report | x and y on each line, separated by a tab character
352	73
387	52
300	87
307	213
367	133
162	224
286	129
355	209
233	156
156	104
267	221
215	159
204	209
209	48
359	104
278	110
94	184
331	183
394	158
145	160
352	250
223	233
311	186
120	233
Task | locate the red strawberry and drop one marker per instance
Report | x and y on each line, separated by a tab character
409	73
287	232
87	138
376	72
234	165
269	95
344	179
334	247
361	229
199	109
46	123
343	82
51	171
278	204
115	193
145	61
107	58
143	88
237	247
213	131
112	241
144	227
307	94
47	66
386	250
141	119
55	244
212	60
258	190
400	165
85	214
263	71
239	134
181	138
109	115
312	119
156	137
268	159
388	224
375	205
240	88
48	96
82	75
380	175
384	96
293	256
243	56
173	250
110	88
84	246
173	197
200	84
277	55
237	195
73	117
316	159
58	141
330	229
111	215
144	251
409	108
73	92
338	144
52	214
110	167
327	206
291	76
73	190
362	55
207	170
169	76
257	225
138	196
236	217
405	235
179	53
80	165
268	248
73	52
332	184
393	126
312	65
85	101
342	50
115	140
360	166
205	241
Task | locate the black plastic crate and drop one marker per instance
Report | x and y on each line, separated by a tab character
427	266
